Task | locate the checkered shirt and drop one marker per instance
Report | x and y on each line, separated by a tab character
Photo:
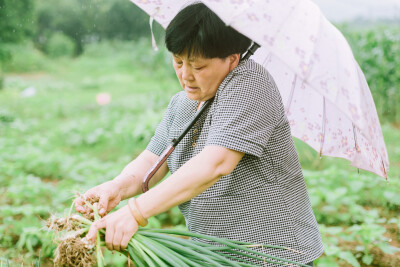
264	200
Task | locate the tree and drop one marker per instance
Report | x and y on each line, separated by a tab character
123	20
89	20
16	23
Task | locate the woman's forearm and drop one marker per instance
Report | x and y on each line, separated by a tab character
193	178
130	179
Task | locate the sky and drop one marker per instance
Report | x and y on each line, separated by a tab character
348	10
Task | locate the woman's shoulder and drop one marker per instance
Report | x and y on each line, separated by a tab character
249	69
249	78
180	103
181	98
177	98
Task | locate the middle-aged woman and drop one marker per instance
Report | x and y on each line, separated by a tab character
236	174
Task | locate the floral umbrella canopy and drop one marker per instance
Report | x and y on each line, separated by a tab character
326	96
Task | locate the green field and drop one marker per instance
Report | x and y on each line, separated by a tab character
59	141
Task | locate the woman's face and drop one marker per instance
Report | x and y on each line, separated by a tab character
200	77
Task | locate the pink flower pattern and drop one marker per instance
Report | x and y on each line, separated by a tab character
344	141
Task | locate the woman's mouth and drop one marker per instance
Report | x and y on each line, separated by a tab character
190	88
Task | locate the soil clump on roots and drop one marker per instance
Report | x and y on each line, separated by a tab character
72	248
74	252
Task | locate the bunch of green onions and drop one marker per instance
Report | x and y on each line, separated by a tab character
159	247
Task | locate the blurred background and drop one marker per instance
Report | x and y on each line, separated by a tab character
82	91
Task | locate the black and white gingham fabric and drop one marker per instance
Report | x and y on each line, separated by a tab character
264	200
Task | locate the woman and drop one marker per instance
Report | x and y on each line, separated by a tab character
236	174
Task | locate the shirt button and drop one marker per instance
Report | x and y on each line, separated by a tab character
194	144
195	131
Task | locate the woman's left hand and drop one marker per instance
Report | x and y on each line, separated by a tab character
120	227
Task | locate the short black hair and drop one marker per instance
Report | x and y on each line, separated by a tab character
200	32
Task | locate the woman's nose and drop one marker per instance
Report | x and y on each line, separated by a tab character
187	74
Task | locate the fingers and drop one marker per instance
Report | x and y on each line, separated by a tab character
103	203
120	227
117	240
106	195
100	224
79	205
110	236
125	241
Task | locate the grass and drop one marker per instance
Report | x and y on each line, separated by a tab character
60	140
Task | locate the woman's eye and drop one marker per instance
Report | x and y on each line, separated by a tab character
177	61
199	68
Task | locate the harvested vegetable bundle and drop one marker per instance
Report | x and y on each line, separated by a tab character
155	247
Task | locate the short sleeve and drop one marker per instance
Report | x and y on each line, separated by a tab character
245	114
159	141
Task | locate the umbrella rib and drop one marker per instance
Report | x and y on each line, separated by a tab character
384	171
355	138
153	39
323	127
268	57
291	94
355	143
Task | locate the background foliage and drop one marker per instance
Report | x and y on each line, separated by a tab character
377	51
56	139
89	21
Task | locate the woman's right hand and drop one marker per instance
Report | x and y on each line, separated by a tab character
108	195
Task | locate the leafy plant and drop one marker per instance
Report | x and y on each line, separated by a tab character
155	247
60	45
378	52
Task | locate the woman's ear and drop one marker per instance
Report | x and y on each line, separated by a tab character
233	61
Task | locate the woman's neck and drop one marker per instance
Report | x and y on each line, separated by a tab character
199	105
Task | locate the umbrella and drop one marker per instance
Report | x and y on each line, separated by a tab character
327	99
